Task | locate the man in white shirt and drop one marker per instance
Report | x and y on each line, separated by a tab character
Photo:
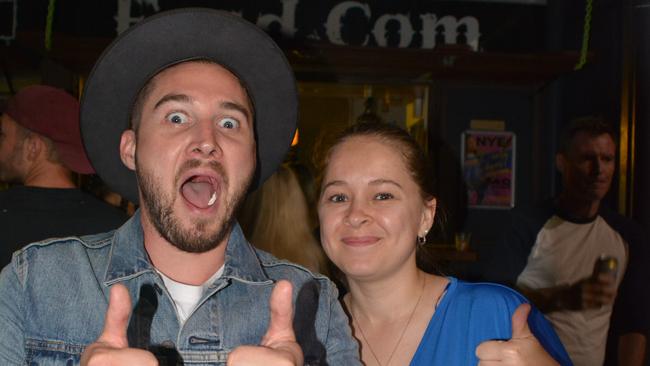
560	274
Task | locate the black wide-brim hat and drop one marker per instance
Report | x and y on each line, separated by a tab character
172	37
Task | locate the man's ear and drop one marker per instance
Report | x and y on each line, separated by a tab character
33	147
560	163
127	148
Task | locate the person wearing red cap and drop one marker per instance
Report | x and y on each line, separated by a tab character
40	148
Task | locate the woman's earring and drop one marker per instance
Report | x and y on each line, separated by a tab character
423	239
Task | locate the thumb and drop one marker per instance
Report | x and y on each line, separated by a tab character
520	327
117	317
281	324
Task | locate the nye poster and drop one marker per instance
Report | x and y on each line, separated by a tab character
488	160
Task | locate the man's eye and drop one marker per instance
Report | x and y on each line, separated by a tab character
228	123
383	196
337	198
177	118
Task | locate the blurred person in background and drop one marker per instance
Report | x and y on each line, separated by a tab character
552	255
376	207
40	152
275	218
308	185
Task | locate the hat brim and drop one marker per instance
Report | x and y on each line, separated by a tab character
74	157
172	37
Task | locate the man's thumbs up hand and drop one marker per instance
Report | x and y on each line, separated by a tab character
522	349
117	318
279	346
112	346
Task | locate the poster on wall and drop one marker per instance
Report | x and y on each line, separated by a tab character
488	160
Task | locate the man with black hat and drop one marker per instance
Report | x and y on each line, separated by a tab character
40	147
184	113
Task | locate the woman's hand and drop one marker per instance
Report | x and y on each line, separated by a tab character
522	349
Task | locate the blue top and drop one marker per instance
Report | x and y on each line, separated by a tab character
470	313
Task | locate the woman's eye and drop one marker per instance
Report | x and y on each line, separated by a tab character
337	198
177	118
228	123
383	196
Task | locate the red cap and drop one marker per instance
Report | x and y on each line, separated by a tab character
53	113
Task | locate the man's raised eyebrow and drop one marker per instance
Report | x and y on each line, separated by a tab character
183	98
173	98
237	107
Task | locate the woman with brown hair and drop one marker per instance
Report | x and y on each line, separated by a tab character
375	208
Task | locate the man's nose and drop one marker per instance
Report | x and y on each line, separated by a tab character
204	140
598	166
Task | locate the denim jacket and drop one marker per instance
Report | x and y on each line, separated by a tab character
54	295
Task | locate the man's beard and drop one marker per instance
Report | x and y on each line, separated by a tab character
196	239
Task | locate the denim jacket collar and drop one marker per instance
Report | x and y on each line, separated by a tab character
128	257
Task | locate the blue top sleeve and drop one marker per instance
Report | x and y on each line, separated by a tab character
473	313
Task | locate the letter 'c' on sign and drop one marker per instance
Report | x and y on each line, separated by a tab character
333	25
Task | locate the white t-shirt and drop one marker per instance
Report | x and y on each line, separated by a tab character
187	297
564	253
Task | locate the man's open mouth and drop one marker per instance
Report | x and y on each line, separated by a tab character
200	191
